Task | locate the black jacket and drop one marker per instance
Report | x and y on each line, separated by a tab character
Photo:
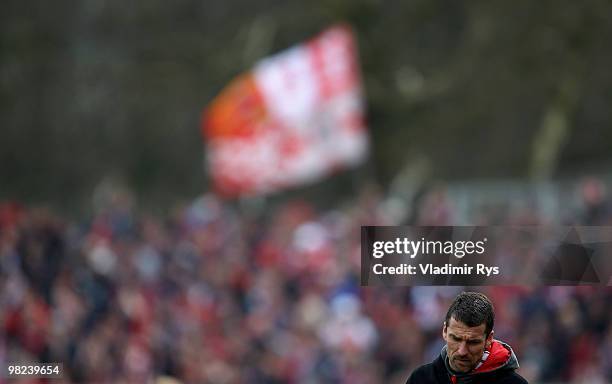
439	372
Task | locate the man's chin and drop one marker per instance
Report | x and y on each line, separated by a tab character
461	366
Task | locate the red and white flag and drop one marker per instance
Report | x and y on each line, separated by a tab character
296	117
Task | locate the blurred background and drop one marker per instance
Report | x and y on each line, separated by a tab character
118	260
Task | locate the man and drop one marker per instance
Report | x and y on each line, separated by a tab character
471	355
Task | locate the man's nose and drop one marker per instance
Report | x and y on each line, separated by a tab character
462	350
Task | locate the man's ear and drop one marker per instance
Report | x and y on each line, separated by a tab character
489	340
444	330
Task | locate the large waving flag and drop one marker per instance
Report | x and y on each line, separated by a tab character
296	117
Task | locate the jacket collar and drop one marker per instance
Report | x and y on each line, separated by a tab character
500	356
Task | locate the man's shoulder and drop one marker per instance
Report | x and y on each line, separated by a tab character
514	378
508	376
435	373
428	373
423	374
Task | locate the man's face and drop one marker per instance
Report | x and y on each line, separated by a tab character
465	344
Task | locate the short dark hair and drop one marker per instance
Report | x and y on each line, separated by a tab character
472	309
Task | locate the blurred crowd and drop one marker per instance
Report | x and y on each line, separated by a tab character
216	294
